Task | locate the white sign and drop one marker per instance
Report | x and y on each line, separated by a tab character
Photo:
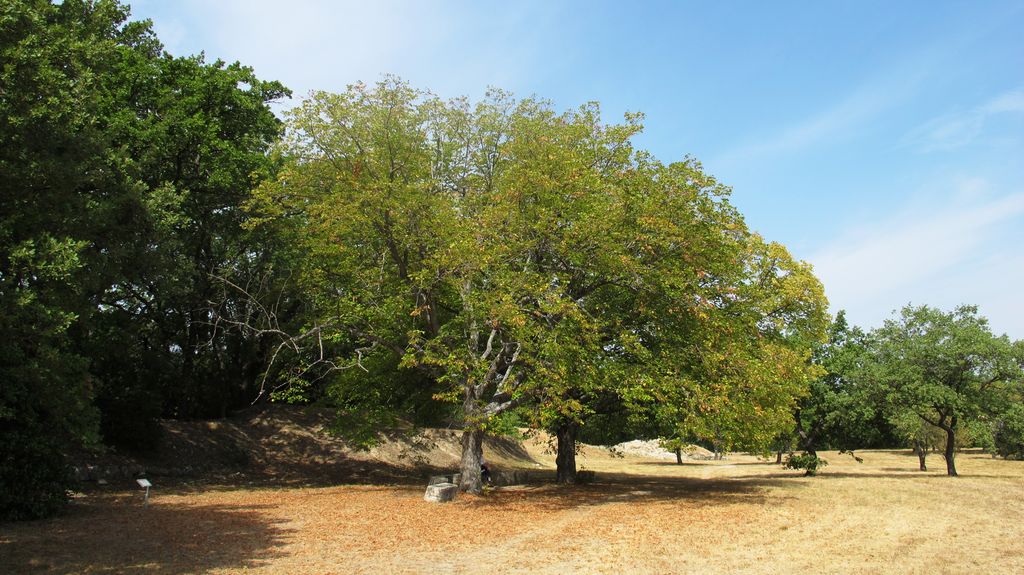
143	483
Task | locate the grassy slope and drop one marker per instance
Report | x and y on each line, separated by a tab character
286	445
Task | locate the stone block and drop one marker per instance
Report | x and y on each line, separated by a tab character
440	492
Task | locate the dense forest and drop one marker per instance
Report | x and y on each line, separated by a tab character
171	248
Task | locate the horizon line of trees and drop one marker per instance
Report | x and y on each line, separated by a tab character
926	379
171	248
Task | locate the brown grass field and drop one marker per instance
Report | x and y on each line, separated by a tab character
740	515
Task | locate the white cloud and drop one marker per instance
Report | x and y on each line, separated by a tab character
450	47
1008	102
966	251
864	104
958	129
808	131
315	43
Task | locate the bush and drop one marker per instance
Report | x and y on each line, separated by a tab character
806	461
1009	433
45	412
34	478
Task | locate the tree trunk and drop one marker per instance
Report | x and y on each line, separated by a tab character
922	453
951	449
679	455
807	438
565	460
472	454
719	448
778	457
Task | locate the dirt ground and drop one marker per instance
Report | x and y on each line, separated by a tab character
740	515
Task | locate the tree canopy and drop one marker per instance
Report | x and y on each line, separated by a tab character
946	368
122	170
170	248
520	256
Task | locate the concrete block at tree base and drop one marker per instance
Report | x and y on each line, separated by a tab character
441	492
510	477
449	478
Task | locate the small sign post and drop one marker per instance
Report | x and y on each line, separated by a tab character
145	483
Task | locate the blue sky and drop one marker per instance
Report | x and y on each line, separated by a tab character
880	141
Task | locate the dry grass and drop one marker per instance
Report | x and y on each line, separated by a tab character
740	515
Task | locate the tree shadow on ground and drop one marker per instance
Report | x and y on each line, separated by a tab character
337	473
889	473
116	534
614	488
908	453
914	470
705	463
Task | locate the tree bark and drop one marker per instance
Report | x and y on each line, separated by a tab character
565	460
922	453
951	448
807	439
679	455
719	448
778	457
472	455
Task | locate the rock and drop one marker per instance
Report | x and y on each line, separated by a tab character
652	448
440	492
643	448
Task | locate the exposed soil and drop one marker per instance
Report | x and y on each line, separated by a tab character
290	445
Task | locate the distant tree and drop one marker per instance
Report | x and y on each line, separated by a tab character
1009	433
946	368
676	445
1007	426
923	437
837	412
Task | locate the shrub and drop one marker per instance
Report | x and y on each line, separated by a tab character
34	478
1009	433
808	462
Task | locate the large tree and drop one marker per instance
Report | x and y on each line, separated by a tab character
517	255
121	173
191	139
947	368
54	168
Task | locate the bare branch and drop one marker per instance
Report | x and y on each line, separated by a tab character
508	372
490	340
496	407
